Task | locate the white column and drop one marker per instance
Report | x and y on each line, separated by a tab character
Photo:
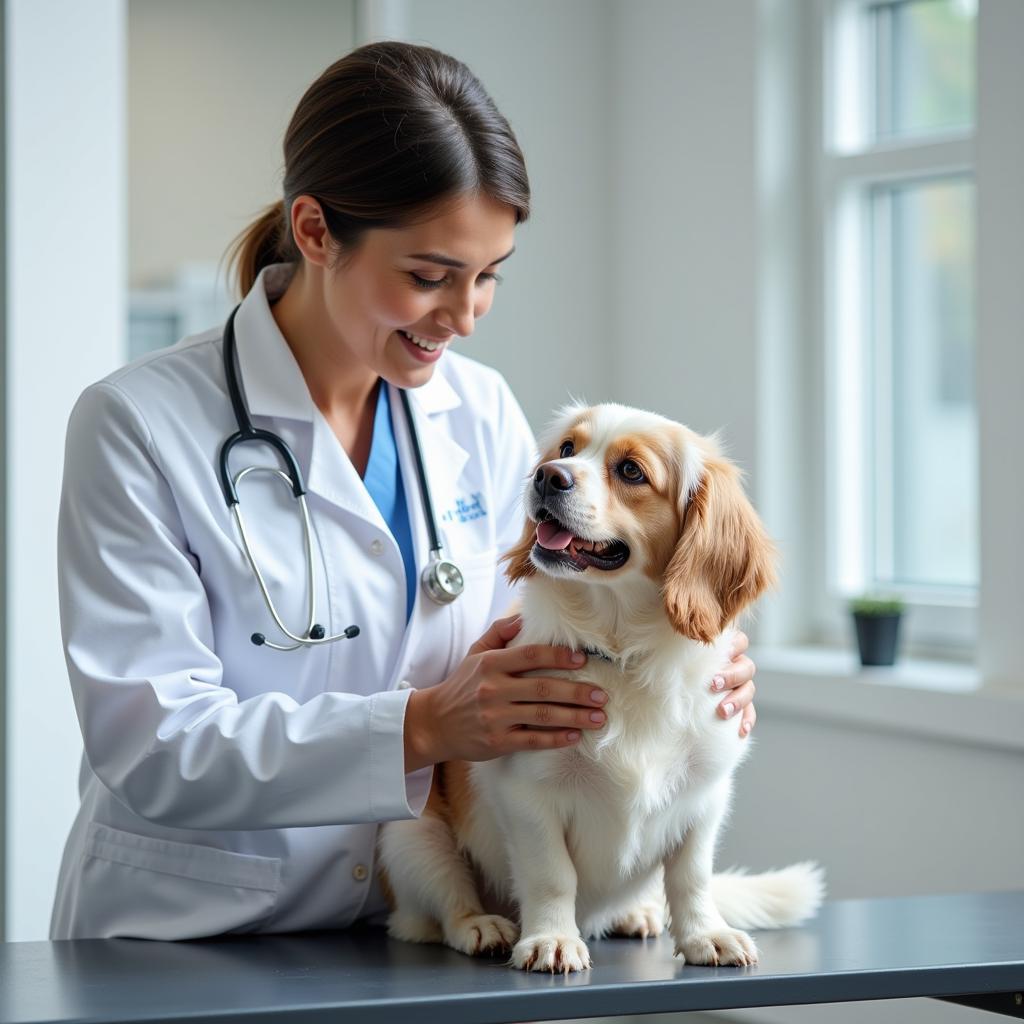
65	326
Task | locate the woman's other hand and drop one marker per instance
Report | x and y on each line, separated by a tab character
737	678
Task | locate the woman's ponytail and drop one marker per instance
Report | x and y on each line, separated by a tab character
265	241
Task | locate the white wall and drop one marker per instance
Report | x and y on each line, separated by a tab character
65	216
1000	213
684	338
546	67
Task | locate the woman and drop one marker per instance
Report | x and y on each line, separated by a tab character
228	786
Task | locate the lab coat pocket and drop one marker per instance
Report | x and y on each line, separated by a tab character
471	610
136	886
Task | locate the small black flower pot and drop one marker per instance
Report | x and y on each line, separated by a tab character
877	636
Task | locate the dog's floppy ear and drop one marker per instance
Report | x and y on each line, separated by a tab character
723	561
518	557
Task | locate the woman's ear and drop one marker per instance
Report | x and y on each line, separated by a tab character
724	559
518	558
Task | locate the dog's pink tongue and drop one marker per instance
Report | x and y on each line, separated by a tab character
551	536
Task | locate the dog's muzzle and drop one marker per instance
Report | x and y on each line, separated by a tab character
558	543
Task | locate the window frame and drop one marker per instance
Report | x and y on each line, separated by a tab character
942	622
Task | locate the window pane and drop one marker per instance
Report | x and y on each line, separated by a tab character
925	422
924	65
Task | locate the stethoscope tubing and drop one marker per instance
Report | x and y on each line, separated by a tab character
436	577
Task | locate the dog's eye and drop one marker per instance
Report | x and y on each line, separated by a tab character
631	472
566	450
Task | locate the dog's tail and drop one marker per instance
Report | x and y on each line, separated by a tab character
773	899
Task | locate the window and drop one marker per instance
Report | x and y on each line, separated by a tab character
923	521
922	66
896	163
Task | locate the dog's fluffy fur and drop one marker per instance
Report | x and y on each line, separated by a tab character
537	851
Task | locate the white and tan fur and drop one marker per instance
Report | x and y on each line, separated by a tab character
537	851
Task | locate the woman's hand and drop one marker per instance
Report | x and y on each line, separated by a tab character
484	709
737	676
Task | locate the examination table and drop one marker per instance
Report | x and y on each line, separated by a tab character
968	948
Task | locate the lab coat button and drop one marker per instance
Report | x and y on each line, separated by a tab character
377	547
359	872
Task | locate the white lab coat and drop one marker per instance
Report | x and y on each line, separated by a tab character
227	787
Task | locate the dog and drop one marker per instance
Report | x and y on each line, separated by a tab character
641	548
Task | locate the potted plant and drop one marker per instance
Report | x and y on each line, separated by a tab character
877	620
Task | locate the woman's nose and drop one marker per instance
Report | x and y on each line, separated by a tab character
460	314
460	321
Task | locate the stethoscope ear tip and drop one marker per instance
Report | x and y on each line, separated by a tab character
352	632
258	639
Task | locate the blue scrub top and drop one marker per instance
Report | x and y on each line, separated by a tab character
383	479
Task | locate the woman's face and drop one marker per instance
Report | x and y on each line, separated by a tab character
433	280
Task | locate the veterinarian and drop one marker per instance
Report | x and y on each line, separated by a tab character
267	645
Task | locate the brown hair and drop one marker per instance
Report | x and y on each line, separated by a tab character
385	135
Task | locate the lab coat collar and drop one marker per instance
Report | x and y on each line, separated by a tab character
437	395
332	475
271	378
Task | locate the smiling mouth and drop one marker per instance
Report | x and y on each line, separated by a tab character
557	545
427	344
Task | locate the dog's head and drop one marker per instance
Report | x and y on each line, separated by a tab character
623	494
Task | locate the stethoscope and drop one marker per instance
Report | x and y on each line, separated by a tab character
441	579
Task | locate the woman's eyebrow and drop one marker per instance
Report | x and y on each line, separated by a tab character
447	261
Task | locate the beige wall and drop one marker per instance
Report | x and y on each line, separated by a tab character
211	88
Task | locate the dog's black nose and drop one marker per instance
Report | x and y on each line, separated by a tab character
552	477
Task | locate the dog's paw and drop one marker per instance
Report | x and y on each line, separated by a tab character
544	952
717	947
480	933
647	919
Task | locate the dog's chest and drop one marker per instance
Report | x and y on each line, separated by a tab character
659	743
647	769
625	802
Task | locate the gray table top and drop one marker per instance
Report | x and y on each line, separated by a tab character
855	949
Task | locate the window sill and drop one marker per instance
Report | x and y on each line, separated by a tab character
936	699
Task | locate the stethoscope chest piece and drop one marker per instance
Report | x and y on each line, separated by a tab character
443	581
